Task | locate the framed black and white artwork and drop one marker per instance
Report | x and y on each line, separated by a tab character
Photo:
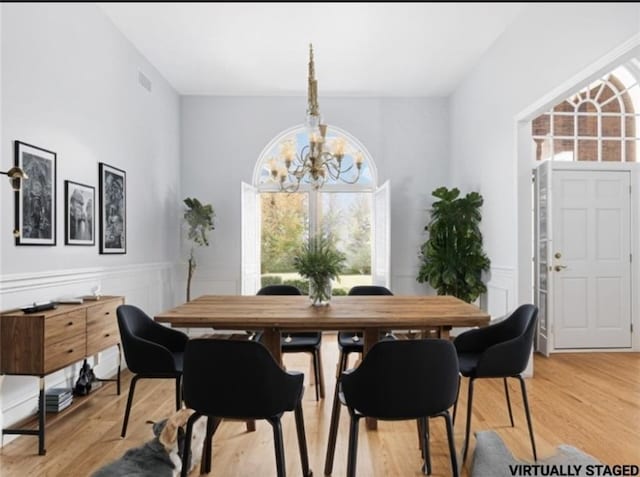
79	213
35	213
113	210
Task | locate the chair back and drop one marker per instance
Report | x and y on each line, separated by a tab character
369	290
148	347
521	323
521	326
279	290
404	379
237	379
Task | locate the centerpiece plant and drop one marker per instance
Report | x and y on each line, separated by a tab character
319	261
452	258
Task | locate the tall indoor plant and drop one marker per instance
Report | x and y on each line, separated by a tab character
199	218
320	262
452	258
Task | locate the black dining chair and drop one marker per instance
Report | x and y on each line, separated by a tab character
300	342
240	380
501	350
403	380
151	350
348	342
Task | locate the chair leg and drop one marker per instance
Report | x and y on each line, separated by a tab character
353	445
132	389
212	425
335	418
178	392
278	444
426	454
315	375
529	424
455	405
506	392
452	446
186	451
468	428
302	441
320	372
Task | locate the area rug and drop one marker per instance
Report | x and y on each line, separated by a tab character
492	459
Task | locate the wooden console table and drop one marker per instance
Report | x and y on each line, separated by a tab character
41	343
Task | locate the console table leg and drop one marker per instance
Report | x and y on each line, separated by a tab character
41	418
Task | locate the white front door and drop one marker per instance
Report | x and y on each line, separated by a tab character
591	259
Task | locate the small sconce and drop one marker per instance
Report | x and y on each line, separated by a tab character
16	176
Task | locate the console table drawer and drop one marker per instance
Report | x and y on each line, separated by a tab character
63	353
60	327
101	335
102	312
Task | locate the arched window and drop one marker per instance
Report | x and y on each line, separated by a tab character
599	123
354	214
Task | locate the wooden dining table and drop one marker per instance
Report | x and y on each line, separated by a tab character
372	315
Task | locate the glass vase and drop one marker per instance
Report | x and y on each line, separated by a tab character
320	291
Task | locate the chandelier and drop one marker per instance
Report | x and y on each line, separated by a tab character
320	160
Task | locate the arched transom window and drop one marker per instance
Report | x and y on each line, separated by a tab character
599	123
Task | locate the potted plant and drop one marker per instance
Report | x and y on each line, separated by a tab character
320	262
452	258
199	218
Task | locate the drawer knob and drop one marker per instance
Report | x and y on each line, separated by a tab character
107	312
70	351
107	335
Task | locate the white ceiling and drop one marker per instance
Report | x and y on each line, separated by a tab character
361	49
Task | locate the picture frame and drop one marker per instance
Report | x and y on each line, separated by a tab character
79	214
113	209
35	210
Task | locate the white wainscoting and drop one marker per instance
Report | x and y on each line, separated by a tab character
501	297
151	286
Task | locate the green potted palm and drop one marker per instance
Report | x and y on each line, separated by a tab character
452	259
199	219
319	261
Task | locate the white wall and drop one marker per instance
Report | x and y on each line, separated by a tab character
70	85
544	47
222	138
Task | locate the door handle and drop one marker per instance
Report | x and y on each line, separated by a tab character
559	267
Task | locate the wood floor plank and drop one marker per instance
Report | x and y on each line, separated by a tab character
588	400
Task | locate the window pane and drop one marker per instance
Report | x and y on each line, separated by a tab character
587	126
543	148
611	151
632	151
285	226
563	126
587	150
563	149
540	126
632	129
565	107
612	106
346	219
611	126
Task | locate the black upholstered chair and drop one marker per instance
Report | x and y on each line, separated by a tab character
240	380
349	342
151	351
403	380
502	351
301	342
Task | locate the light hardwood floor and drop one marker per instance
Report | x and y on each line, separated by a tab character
589	400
